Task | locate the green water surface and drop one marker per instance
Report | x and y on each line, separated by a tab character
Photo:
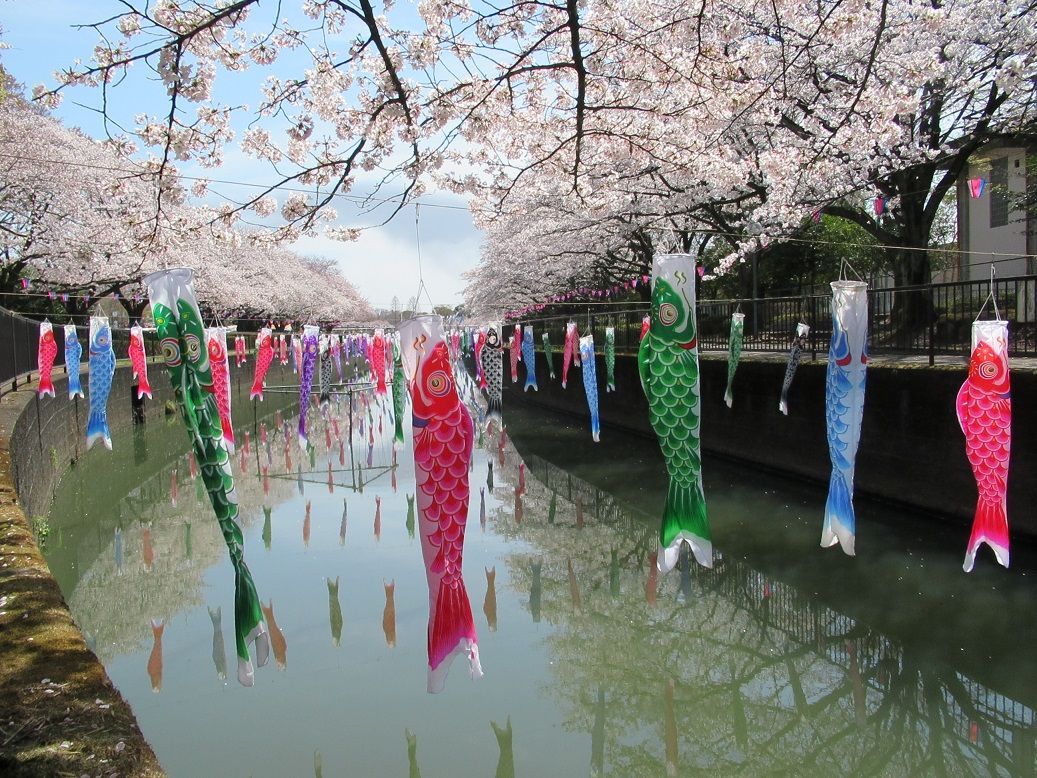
784	658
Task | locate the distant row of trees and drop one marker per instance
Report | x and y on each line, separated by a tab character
79	222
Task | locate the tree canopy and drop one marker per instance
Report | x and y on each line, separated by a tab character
584	133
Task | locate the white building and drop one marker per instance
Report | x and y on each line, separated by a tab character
991	227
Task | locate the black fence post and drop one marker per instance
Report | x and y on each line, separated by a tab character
813	328
28	352
14	355
932	328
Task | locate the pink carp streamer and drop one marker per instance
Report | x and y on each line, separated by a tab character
264	356
984	408
46	354
480	344
443	440
297	347
139	361
217	345
336	354
376	356
515	352
571	353
387	356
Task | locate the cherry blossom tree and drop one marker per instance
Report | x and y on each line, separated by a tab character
67	212
81	221
736	119
334	117
281	284
746	118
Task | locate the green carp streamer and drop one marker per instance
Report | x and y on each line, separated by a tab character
668	361
549	355
399	391
182	337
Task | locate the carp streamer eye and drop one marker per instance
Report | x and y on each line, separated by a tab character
215	351
668	313
438	383
171	351
988	370
193	347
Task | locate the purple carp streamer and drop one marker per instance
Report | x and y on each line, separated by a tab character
309	363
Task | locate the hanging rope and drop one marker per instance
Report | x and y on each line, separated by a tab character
421	276
990	297
842	270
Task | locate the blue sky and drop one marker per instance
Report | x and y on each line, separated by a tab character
42	38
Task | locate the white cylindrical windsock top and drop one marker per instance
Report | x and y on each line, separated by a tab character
418	336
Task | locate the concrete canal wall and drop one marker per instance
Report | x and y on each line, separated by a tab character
912	450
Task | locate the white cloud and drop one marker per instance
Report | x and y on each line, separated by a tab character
383	265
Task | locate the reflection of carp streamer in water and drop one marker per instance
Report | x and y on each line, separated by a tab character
334	611
219	651
389	613
155	659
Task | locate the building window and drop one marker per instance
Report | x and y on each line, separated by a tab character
999	192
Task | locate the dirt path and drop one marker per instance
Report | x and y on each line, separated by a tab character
59	712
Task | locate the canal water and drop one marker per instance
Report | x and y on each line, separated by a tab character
783	658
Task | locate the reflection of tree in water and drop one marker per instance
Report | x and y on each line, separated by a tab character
764	677
114	605
116	596
102	568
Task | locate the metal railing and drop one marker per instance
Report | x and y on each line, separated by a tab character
941	323
19	347
19	338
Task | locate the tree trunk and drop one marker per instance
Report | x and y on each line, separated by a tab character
77	309
912	310
133	309
11	276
